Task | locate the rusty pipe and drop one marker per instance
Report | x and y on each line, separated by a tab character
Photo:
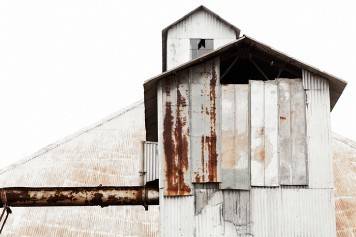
78	196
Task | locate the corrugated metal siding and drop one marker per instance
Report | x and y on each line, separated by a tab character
292	212
199	25
318	131
151	162
235	158
108	153
292	132
177	216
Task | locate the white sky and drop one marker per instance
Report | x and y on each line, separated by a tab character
66	64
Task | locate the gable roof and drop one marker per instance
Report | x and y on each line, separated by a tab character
200	8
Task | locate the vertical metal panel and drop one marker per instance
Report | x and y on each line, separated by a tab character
264	133
292	132
177	214
292	212
176	142
205	101
257	132
235	137
318	131
271	162
151	163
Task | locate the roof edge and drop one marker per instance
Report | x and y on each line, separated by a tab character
69	138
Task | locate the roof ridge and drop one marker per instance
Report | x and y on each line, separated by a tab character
344	140
203	8
70	137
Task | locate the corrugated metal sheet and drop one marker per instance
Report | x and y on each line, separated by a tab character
292	212
200	25
205	122
177	216
264	133
292	132
108	153
344	156
318	131
235	158
151	162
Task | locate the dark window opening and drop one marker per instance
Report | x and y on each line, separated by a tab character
199	47
247	63
201	44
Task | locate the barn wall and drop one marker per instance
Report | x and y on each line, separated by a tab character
201	24
273	125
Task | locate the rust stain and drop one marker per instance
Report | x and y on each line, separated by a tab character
181	144
211	140
175	146
202	160
261	154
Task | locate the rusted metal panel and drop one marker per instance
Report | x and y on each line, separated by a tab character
176	142
292	212
151	161
177	215
292	132
78	196
205	122
264	133
235	137
318	131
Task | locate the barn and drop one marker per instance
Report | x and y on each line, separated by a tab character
235	134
